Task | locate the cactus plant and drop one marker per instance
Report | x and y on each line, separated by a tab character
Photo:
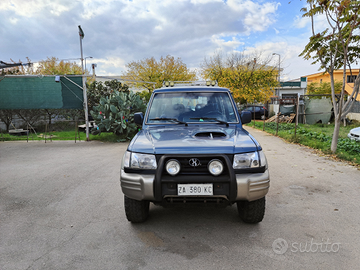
115	113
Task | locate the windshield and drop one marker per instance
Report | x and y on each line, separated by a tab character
187	107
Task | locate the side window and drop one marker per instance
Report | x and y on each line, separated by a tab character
351	78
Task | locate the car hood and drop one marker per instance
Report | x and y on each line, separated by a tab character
193	140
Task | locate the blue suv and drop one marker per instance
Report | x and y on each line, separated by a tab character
193	149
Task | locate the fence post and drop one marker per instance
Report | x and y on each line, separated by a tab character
75	128
46	126
264	125
264	117
297	114
277	123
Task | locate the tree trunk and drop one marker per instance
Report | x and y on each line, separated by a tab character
335	137
7	124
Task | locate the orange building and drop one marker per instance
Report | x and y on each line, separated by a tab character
338	76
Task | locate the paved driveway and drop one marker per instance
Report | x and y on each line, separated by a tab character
61	208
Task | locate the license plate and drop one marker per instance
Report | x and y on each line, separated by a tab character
195	189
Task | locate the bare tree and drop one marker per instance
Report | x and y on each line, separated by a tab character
335	47
248	77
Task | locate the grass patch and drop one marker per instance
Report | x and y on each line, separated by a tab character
63	136
318	136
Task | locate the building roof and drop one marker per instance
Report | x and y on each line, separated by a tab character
354	70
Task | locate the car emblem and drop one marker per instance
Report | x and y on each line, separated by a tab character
194	162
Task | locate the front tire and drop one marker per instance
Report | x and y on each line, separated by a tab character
251	212
136	211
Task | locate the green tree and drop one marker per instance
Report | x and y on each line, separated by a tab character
52	66
96	90
337	46
323	88
248	78
150	70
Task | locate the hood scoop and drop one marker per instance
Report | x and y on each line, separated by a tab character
210	135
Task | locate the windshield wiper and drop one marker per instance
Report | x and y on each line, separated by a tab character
169	119
211	118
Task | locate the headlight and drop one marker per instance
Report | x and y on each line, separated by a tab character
215	167
173	167
247	160
139	161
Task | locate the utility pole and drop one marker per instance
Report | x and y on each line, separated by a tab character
93	70
279	70
81	34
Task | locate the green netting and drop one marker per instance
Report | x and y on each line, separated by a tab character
72	95
318	110
40	93
287	109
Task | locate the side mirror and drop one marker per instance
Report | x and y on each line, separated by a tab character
245	117
139	118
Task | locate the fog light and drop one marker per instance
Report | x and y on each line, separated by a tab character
173	167
215	167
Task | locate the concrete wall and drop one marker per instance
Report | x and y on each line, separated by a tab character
355	112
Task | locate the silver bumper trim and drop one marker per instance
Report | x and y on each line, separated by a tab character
252	186
137	186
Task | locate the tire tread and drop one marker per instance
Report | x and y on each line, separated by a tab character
251	212
136	211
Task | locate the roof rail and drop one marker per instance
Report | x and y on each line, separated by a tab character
189	83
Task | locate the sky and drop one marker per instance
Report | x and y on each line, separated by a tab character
122	31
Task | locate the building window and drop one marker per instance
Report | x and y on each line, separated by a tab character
351	78
289	96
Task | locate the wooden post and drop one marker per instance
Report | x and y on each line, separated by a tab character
277	123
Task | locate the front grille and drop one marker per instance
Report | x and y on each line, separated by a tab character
224	185
202	169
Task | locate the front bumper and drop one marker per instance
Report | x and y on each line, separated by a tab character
354	137
250	187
